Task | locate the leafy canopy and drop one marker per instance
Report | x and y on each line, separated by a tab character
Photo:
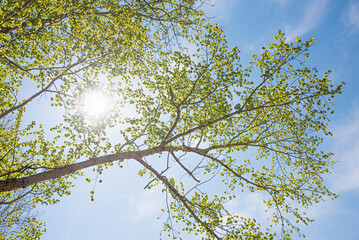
181	103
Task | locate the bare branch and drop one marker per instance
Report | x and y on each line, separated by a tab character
188	171
183	199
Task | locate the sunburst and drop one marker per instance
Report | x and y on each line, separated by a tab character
96	104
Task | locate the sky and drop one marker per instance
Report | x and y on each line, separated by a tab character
123	209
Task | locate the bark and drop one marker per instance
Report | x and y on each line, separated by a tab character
15	183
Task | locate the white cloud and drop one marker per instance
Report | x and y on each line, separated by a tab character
249	205
325	209
314	13
346	174
146	204
353	15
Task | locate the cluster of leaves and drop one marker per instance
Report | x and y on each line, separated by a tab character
50	44
199	104
213	110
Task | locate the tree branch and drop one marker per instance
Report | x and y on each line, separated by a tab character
41	91
188	171
178	195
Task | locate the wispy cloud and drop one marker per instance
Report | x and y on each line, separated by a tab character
146	204
281	2
314	13
249	205
346	174
353	16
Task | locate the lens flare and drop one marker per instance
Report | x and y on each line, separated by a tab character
96	104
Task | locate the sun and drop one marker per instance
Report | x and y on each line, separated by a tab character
96	104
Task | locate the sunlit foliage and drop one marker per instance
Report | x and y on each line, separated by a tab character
177	92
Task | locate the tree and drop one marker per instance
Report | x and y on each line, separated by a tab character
15	208
196	104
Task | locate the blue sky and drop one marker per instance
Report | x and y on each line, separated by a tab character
124	210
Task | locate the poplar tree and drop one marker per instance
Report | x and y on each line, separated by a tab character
181	103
